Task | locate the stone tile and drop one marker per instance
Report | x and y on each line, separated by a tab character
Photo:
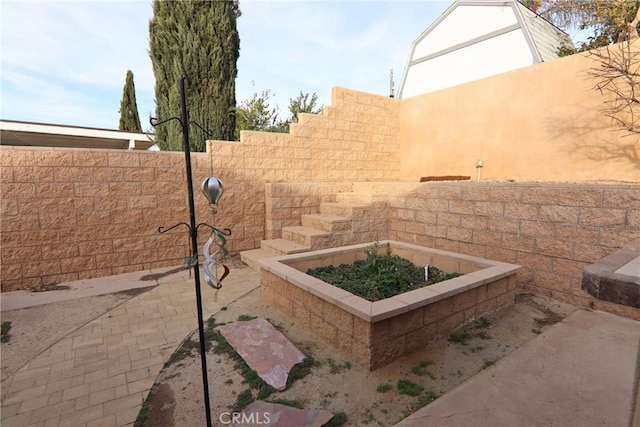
276	415
19	420
264	348
35	403
108	421
25	394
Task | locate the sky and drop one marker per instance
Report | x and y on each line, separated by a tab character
65	62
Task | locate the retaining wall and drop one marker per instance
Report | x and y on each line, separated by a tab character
553	230
69	214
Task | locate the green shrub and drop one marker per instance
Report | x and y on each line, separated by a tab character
379	276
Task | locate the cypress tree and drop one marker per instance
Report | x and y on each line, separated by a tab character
197	39
129	118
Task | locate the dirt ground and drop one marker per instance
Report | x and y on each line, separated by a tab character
339	385
334	383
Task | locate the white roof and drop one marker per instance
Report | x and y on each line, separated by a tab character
473	23
19	133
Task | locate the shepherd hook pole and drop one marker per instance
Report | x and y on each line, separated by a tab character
194	249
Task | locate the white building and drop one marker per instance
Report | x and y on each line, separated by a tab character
474	39
13	132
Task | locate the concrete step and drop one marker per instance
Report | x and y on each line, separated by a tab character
312	237
283	247
326	222
354	198
342	209
252	257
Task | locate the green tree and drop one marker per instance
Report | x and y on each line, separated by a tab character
197	39
129	118
303	103
257	114
607	21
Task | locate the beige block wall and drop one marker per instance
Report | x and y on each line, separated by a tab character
356	139
553	230
541	122
71	214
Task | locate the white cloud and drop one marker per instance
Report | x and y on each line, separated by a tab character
65	61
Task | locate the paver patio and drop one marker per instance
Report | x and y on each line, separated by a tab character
100	374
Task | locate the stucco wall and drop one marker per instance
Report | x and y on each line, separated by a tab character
541	122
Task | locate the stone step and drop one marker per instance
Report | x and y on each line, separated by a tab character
342	209
252	257
326	222
354	198
283	246
311	237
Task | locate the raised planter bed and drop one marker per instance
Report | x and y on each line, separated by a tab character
377	333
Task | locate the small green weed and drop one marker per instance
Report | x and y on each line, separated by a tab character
338	420
246	317
409	387
279	326
335	368
384	387
243	400
488	363
185	350
288	402
301	370
482	323
483	336
420	369
459	338
143	416
6	327
536	331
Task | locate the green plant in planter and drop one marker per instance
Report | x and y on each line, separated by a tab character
379	276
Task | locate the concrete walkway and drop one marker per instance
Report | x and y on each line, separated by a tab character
100	374
580	372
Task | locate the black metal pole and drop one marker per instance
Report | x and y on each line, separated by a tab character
194	248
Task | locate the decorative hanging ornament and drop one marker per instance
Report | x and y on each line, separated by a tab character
212	188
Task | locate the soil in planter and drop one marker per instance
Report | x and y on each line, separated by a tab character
379	276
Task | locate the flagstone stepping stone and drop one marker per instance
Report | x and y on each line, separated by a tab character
265	349
277	415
